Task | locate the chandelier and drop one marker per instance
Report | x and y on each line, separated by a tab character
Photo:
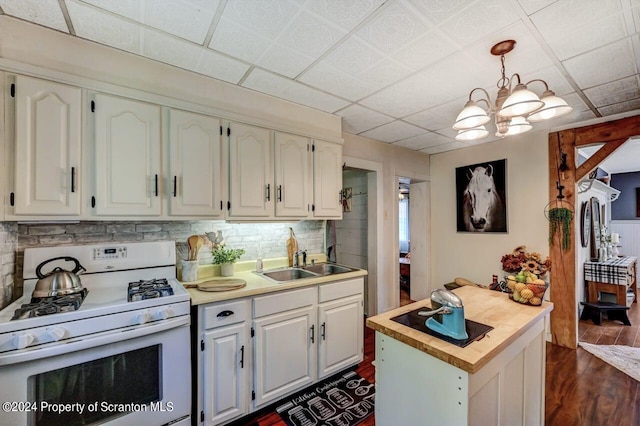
513	110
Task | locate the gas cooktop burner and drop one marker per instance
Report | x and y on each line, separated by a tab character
40	306
149	289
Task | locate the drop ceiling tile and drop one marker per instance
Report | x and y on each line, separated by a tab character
93	24
394	131
237	42
438	117
392	28
615	92
324	77
346	14
284	61
425	50
588	70
186	19
437	11
423	141
284	88
450	146
399	100
631	105
572	27
532	6
554	78
266	82
170	50
43	12
357	119
384	73
310	35
266	18
354	56
451	134
479	20
221	67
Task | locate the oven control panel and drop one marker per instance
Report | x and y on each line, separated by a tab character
110	253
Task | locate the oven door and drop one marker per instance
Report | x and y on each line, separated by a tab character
140	375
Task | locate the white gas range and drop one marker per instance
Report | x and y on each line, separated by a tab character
110	360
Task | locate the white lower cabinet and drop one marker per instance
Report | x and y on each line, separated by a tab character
223	363
254	351
340	326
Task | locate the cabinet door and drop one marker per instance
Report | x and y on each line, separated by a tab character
327	180
284	354
251	191
48	135
127	157
195	162
292	175
340	339
225	366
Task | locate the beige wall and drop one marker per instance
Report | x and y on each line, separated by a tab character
476	256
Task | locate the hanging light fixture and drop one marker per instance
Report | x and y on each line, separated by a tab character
513	110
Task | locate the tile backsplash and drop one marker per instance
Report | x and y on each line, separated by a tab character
260	240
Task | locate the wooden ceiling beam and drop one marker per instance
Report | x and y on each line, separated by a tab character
598	157
609	131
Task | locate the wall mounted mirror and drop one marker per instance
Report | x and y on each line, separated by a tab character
595	228
585	223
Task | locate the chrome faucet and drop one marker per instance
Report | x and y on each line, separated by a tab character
296	258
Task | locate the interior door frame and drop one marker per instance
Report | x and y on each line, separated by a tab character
612	134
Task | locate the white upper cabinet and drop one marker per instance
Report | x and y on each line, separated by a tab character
292	177
327	180
195	165
47	148
251	191
127	158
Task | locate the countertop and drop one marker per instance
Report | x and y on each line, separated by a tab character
509	320
257	284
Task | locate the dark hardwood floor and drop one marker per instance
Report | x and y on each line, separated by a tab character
581	389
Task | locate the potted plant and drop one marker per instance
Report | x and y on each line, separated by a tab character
226	257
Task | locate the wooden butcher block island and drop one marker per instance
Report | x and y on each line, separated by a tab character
497	380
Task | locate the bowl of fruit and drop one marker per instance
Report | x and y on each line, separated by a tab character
526	287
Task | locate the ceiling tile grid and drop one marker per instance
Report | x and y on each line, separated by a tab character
395	70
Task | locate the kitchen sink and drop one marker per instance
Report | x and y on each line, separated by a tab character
317	270
288	274
327	269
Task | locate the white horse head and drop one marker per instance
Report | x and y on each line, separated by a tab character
482	204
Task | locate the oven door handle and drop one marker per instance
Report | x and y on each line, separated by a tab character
91	341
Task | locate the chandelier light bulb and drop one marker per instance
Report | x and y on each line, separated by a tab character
554	107
471	116
522	101
518	126
472	134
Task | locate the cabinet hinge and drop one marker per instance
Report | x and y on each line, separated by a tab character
253	332
253	395
93	106
228	131
13	90
12	199
202	416
202	345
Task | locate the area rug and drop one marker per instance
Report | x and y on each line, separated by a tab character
345	400
624	358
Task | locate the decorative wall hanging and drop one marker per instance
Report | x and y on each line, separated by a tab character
481	197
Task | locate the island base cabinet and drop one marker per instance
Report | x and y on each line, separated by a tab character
413	387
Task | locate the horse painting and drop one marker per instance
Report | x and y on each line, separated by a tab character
482	207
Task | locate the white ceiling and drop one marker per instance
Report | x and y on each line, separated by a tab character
625	159
398	71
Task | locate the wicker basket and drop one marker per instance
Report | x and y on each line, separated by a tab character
529	294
